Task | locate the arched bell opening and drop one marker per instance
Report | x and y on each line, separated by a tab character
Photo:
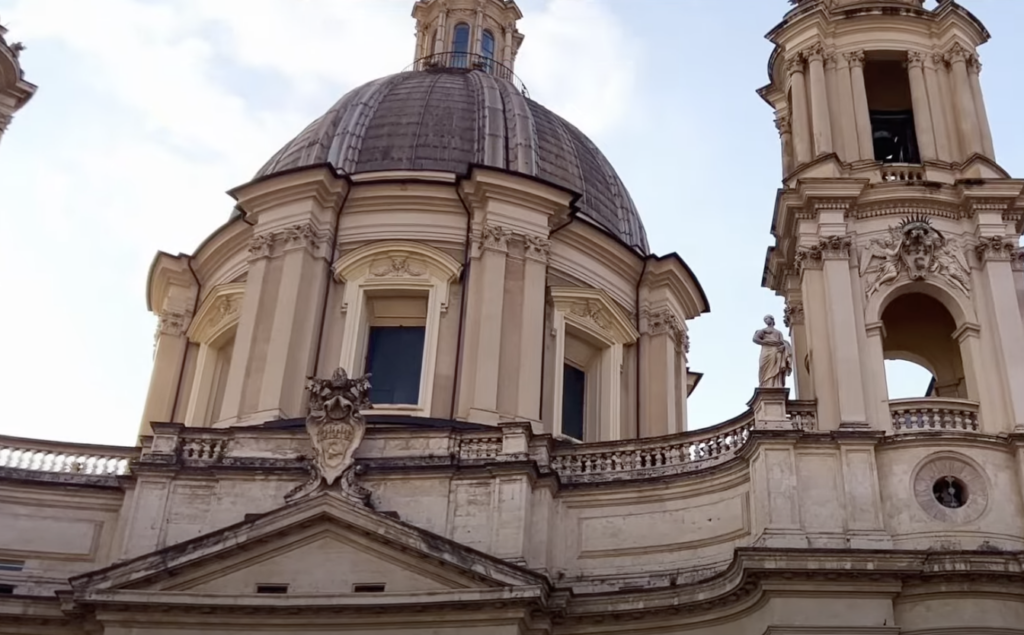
920	330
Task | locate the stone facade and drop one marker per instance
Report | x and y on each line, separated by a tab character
277	502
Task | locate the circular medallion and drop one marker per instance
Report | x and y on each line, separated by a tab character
951	489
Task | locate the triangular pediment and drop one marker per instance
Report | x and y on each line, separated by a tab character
322	545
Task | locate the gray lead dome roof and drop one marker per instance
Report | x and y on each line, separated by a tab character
448	120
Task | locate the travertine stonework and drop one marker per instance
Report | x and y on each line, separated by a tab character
278	500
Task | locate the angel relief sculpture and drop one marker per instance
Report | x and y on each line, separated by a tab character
919	250
336	426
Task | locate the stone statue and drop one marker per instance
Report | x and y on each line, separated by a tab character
776	361
336	426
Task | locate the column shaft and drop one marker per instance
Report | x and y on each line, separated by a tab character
202	387
979	105
798	107
846	357
171	344
819	103
922	112
861	111
970	132
940	119
531	349
847	121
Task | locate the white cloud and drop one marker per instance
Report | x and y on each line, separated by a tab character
148	110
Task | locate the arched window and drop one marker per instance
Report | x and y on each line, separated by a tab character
487	49
213	334
460	46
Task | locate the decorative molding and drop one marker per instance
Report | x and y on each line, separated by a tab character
827	248
1017	260
783	125
916	249
219	311
397	267
536	247
596	311
960	468
814	53
173	323
915	59
793	313
297	236
854	58
664	321
590	310
958	53
939	60
974	65
996	248
795	64
495	237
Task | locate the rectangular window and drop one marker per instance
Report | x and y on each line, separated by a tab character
272	588
394	357
891	110
574	398
12	565
368	588
7	589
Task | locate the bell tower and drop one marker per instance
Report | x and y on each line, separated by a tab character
14	90
896	231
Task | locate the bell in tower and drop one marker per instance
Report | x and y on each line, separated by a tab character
896	231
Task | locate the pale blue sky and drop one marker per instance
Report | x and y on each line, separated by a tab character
148	110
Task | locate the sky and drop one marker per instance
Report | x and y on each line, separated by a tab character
149	110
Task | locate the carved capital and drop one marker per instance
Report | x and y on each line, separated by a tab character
997	248
974	65
1017	260
664	321
815	53
261	246
298	236
915	59
536	247
957	53
807	258
854	58
173	323
793	314
795	64
939	59
783	125
5	121
495	238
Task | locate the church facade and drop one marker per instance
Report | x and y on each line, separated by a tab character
428	377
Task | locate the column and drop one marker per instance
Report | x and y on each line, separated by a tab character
974	66
819	102
798	106
995	254
835	115
202	387
478	393
970	132
442	28
237	386
531	344
843	331
786	138
171	344
937	103
861	111
847	121
611	393
874	358
506	56
478	32
793	318
922	112
658	381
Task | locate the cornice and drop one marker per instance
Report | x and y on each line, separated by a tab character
319	183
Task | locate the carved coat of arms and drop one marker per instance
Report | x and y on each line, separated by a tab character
920	250
336	426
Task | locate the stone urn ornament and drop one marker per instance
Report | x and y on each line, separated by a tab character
336	427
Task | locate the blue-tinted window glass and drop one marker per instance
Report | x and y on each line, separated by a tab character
394	356
488	48
574	382
460	45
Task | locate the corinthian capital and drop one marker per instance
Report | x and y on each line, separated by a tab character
854	58
782	124
815	53
795	64
957	53
915	59
996	248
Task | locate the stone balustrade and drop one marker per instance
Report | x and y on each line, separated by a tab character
902	173
933	414
659	456
64	458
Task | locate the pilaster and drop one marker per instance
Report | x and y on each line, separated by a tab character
798	104
970	131
775	492
933	65
662	335
995	255
289	268
974	68
861	114
847	124
819	101
922	112
793	318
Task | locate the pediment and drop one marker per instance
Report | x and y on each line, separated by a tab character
321	545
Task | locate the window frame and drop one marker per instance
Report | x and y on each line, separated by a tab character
461	55
591	315
214	326
376	271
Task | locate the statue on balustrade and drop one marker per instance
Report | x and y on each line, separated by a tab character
336	426
776	362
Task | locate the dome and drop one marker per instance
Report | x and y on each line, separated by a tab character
450	119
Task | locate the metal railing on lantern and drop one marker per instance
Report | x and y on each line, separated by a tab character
455	61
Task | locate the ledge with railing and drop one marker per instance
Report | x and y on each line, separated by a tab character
57	457
455	62
933	414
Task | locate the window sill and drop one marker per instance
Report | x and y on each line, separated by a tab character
396	409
